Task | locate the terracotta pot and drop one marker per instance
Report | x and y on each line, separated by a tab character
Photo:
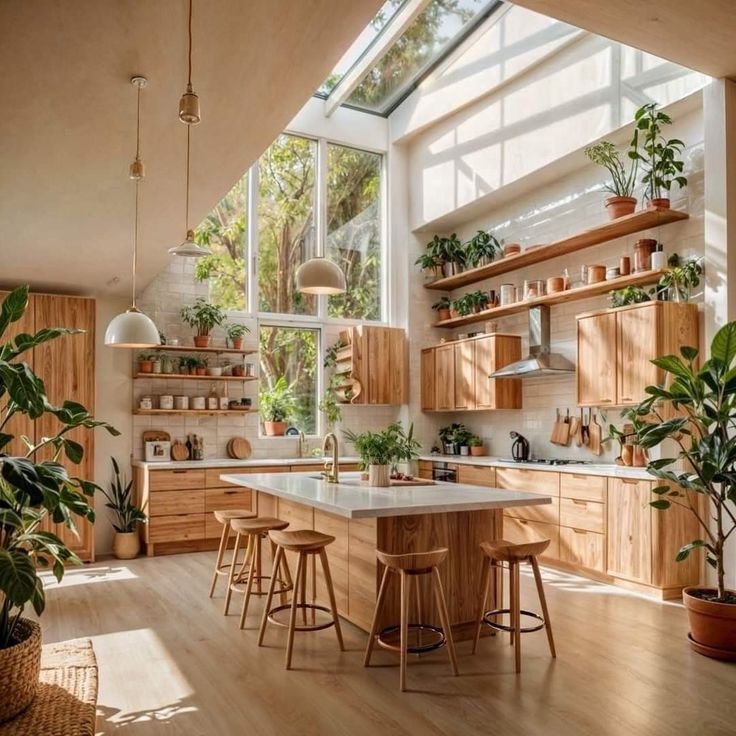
596	274
201	371
379	476
511	249
126	545
712	625
275	429
639	459
237	343
555	284
201	341
478	451
643	250
659	203
238	370
620	206
443	314
20	665
145	366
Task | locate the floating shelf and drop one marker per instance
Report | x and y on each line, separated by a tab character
188	412
187	377
618	228
581	292
193	349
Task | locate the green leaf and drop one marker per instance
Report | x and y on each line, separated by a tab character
74	451
661	490
18	580
672	364
660	503
689	353
13	307
723	346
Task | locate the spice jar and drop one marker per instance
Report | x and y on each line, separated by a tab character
624	265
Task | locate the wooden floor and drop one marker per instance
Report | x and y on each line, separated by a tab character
170	663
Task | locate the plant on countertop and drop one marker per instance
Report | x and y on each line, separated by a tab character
454	435
386	448
203	317
276	407
32	491
681	277
481	249
126	515
475	444
703	401
628	295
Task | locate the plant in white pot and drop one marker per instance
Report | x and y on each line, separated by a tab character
696	409
125	544
379	451
32	490
277	405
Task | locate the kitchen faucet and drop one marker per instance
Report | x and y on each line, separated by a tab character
331	473
302	445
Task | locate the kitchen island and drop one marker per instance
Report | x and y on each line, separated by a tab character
398	519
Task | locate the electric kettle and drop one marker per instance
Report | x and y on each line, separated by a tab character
519	448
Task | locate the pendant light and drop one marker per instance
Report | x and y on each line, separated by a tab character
320	276
132	328
189	115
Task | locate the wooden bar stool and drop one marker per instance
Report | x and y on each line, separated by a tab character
307	543
409	567
502	554
251	571
225	516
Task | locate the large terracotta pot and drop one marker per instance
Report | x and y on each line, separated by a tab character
237	343
620	206
19	669
201	341
712	625
275	429
126	545
379	476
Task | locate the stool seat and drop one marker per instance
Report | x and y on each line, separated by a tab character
301	540
258	524
413	562
224	515
505	551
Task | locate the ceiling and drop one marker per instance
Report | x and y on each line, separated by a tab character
698	35
67	132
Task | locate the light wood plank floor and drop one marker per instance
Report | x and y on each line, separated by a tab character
170	663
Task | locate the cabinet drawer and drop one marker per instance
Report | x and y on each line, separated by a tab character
548	512
534	481
176	528
165	503
212	475
588	515
171	480
521	531
216	499
585	487
583	548
298	516
476	475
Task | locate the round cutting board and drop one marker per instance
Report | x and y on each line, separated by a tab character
239	448
179	451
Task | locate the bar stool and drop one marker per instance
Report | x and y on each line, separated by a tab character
225	516
306	543
251	571
500	554
409	567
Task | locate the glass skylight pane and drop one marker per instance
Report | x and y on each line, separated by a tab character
433	31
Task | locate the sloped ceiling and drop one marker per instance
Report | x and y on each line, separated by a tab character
67	129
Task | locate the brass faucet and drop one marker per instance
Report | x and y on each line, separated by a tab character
331	473
302	445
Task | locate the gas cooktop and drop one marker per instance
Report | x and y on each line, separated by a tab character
548	461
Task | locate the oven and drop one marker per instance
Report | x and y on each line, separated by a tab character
444	472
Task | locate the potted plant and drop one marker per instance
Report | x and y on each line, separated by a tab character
203	317
145	363
475	444
623	179
125	544
681	278
450	436
277	405
695	408
200	366
659	159
442	307
628	295
32	491
463	305
235	333
481	249
478	300
430	263
453	255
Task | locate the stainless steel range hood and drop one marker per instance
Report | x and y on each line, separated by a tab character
540	362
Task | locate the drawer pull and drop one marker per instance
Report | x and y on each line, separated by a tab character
605	401
629	482
179	471
578	476
522	521
229	493
579	531
579	503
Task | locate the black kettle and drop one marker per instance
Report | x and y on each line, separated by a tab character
519	448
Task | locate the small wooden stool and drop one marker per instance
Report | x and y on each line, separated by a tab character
306	542
408	567
498	553
251	571
225	517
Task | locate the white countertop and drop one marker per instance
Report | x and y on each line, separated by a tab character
607	469
353	500
225	462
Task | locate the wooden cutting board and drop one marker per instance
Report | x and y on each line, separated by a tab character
560	430
179	451
239	448
596	434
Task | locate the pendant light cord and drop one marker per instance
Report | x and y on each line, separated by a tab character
137	192
186	215
189	78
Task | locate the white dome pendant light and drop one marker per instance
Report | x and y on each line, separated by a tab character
132	328
320	276
189	115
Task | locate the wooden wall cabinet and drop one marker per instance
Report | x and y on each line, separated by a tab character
616	346
455	375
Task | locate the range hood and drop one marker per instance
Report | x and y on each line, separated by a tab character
540	362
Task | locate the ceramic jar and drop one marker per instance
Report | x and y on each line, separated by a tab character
166	401
181	403
199	403
643	254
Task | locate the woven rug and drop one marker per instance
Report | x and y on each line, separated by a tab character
66	701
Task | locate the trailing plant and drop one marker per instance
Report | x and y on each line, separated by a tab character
682	277
202	316
330	406
120	501
387	447
235	330
481	248
703	401
277	404
31	489
330	359
659	159
623	177
628	295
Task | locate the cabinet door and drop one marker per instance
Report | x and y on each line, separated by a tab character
465	375
637	345
596	372
427	371
629	529
444	358
485	364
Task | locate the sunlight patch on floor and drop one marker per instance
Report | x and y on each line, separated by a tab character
86	575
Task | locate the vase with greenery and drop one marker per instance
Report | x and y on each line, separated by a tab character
694	411
203	317
453	255
475	444
628	295
453	436
442	307
120	499
659	156
681	278
34	487
277	406
481	249
236	332
379	451
623	174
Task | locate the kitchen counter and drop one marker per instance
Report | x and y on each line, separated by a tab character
226	462
353	500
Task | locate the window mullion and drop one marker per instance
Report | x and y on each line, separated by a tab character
252	260
321	214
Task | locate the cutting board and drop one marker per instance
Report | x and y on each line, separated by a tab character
239	448
560	430
596	434
179	451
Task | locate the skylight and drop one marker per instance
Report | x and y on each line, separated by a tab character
399	47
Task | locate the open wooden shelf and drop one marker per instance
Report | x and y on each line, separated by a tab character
193	349
581	292
187	377
192	412
618	228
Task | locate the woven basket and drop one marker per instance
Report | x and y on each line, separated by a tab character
19	670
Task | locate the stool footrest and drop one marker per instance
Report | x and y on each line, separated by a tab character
439	641
281	585
503	627
303	627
